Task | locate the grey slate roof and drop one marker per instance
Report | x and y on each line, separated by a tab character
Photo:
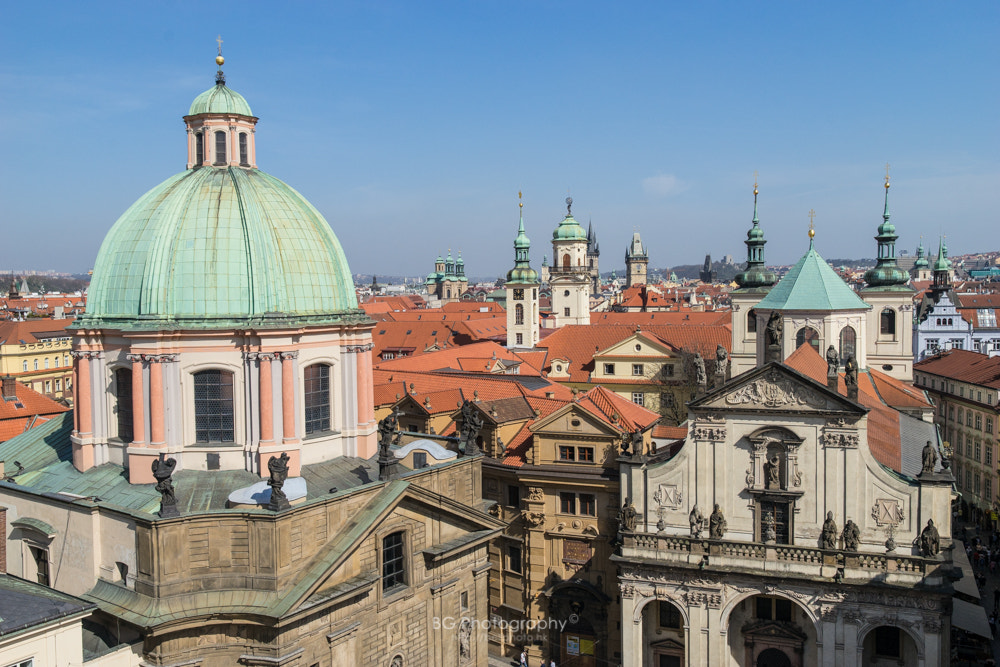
25	605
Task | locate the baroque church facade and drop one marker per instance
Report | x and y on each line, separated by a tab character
216	492
800	521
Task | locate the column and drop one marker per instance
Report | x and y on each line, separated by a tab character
81	391
288	396
157	437
366	441
138	402
266	399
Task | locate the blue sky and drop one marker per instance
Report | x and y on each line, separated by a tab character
412	126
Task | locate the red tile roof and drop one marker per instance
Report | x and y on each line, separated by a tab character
33	330
717	317
616	411
963	365
27	410
579	343
473	386
485	357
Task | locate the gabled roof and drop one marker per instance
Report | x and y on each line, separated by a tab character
484	357
965	366
25	605
811	285
28	410
473	386
33	330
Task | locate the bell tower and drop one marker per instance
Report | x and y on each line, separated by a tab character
522	292
569	276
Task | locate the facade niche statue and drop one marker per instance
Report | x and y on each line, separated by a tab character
277	466
768	531
828	538
772	470
697	521
930	540
627	516
851	536
717	524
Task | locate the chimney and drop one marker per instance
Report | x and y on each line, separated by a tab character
9	388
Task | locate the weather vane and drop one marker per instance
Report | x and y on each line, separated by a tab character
812	216
886	175
520	204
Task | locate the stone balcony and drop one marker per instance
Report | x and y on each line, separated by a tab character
782	559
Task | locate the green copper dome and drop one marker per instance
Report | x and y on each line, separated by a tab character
522	273
569	229
216	248
220	99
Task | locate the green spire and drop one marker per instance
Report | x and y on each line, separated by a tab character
522	271
921	261
886	273
756	274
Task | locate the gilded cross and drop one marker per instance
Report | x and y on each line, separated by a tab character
812	216
886	174
754	179
219	40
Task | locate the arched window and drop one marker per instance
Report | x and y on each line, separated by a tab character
887	322
24	365
848	342
46	361
752	321
123	403
518	314
213	406
35	364
243	150
65	360
566	264
220	147
199	149
317	398
807	335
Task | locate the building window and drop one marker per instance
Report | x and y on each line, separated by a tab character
989	425
220	148
213	406
848	342
243	150
58	385
773	609
888	642
41	558
65	360
752	321
513	495
988	455
588	504
951	412
514	559
979	422
199	149
807	335
123	403
668	370
393	561
609	369
566	312
979	447
48	386
518	314
519	339
968	418
887	322
637	369
317	398
778	511
666	400
670	616
46	363
567	503
987	488
638	398
35	364
24	366
567	453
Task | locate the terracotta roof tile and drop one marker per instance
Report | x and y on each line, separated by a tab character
28	410
963	365
616	411
33	329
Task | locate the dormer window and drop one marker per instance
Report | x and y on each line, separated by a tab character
220	148
244	161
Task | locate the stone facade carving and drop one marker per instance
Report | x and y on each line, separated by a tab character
774	392
842	439
668	495
533	519
535	494
709	433
887	512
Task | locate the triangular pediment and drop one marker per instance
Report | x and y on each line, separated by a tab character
775	387
572	419
667	646
774	630
649	346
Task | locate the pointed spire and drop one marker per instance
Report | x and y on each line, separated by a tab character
886	273
756	274
220	77
522	271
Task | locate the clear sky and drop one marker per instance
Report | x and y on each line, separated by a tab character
412	125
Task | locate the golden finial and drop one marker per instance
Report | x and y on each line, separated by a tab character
520	204
886	175
219	60
755	181
812	216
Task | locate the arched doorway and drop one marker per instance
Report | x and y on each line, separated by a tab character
663	632
886	645
773	657
771	631
580	610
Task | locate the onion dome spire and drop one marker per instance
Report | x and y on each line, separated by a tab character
756	274
886	273
942	267
522	271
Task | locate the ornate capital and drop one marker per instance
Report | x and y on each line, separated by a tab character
294	354
133	358
368	347
85	354
159	358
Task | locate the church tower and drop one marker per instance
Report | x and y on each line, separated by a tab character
890	320
754	284
636	262
569	276
593	259
522	292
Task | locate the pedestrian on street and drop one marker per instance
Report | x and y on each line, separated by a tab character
524	658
